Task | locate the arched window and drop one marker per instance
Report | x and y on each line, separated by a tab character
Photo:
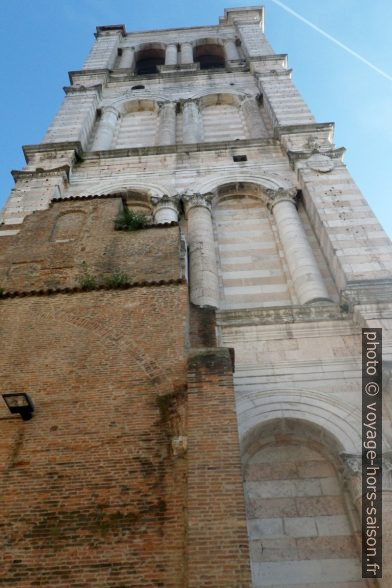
209	56
137	126
68	226
222	118
148	58
298	525
249	261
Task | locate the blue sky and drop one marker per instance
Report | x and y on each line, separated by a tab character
41	40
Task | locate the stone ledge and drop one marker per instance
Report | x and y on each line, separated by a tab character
41	173
280	314
183	148
29	150
303	128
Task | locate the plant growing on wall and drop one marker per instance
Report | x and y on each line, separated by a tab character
116	280
128	220
86	280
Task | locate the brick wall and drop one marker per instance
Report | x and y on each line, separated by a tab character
91	492
74	237
124	476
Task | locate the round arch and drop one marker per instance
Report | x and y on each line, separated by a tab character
218	99
215	184
111	186
237	97
148	56
331	416
137	105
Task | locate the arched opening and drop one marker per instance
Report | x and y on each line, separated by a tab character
135	200
222	118
251	271
299	527
68	226
148	58
209	55
138	125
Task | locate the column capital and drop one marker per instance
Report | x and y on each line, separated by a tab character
351	469
110	110
165	200
189	101
164	103
351	464
197	200
280	195
165	208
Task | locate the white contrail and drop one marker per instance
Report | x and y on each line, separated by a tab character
342	45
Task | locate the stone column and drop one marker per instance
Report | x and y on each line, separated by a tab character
308	282
254	123
171	54
203	273
167	124
186	53
165	209
127	58
106	128
191	122
231	50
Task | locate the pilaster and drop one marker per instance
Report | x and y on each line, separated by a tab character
104	51
76	116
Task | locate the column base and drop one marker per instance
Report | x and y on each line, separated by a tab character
319	301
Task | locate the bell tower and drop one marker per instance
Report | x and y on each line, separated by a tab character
186	265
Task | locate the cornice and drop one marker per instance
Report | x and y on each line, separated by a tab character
272	73
75	146
183	148
88	73
303	128
41	173
104	31
30	150
96	88
271	57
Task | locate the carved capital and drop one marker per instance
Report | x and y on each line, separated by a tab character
197	200
166	104
108	110
351	465
351	469
165	201
187	102
316	158
280	195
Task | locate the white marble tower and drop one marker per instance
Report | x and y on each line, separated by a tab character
205	125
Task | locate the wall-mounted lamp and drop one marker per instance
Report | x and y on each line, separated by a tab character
19	403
